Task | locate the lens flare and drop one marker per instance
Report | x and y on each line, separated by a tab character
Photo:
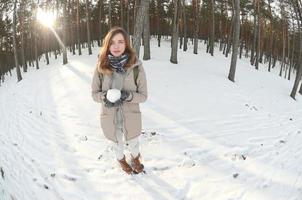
46	18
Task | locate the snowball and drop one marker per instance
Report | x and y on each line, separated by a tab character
113	95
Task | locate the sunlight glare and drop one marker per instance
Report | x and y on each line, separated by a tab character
46	18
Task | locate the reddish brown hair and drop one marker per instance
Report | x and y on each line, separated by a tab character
103	65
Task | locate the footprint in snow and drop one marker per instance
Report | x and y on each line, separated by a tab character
70	178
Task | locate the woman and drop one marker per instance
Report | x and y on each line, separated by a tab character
119	83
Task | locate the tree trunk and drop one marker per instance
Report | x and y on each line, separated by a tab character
230	35
235	41
122	13
220	27
100	24
258	36
110	17
23	60
159	4
138	28
299	66
212	35
78	28
65	61
15	42
271	36
146	34
127	17
45	45
73	27
88	27
185	47
34	33
283	50
195	4
270	52
300	90
241	36
254	35
293	52
174	41
224	31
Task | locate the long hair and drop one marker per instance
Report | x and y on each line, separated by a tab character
103	65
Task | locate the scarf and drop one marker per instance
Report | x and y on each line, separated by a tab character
117	63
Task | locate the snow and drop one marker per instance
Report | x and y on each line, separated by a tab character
205	137
113	95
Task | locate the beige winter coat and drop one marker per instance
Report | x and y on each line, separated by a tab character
131	110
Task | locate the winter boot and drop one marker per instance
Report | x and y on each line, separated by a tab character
125	166
137	166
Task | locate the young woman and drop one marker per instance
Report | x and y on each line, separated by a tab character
119	84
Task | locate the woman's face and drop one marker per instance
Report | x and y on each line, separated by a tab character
117	45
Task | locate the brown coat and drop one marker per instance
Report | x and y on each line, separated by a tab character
131	111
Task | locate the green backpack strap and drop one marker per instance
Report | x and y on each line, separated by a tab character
101	79
135	74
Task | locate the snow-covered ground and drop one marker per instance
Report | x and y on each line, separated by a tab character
211	139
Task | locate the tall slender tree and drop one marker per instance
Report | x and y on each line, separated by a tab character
297	7
195	13
88	27
235	40
78	28
174	41
212	23
146	33
65	60
185	47
19	77
138	28
22	18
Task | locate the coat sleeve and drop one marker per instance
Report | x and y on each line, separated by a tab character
96	88
141	94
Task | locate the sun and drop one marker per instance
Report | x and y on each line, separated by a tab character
46	18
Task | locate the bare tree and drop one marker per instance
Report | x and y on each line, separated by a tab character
254	34
174	40
271	34
21	18
78	28
65	60
110	17
138	28
283	38
195	4
212	35
127	16
185	47
15	42
297	8
146	28
88	27
158	12
100	24
258	35
235	40
230	34
34	33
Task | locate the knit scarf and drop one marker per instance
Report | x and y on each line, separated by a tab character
118	63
